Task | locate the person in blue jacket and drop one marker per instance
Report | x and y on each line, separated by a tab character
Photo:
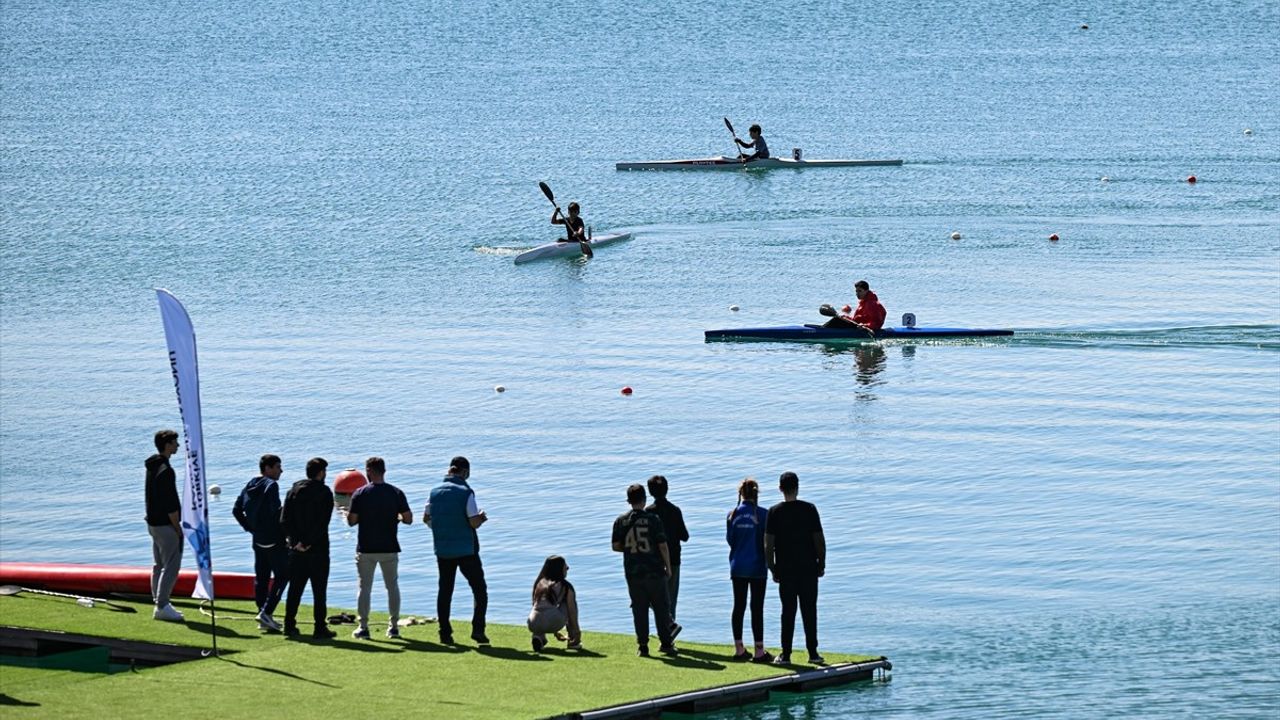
454	517
257	509
747	569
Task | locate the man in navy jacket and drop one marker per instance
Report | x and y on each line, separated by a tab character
257	509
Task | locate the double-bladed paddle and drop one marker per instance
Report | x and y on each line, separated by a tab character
735	137
586	246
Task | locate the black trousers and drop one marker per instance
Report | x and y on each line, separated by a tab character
802	591
650	592
473	571
740	586
310	566
270	576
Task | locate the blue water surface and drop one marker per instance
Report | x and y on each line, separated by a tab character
1080	521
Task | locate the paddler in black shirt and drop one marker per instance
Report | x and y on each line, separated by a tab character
573	225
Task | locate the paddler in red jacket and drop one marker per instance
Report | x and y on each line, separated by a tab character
869	315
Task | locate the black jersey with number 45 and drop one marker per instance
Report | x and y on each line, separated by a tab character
641	533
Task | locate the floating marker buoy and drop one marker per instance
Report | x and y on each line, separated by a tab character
1053	237
1191	179
1084	27
734	308
626	390
1106	179
215	489
499	388
349	481
955	236
1248	131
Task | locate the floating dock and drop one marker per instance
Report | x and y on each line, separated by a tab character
123	663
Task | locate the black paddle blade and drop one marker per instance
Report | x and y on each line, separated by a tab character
730	126
547	191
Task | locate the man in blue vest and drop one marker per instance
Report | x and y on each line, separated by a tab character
453	516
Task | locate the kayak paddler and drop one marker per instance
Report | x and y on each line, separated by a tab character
869	315
573	224
757	142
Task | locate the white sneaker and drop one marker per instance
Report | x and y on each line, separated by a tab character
266	622
168	613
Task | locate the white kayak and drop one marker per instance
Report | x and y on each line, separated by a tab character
568	249
732	163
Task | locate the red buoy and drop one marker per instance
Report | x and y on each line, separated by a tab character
1053	237
1191	179
626	390
349	481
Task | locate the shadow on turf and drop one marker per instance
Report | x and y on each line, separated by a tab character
274	671
695	660
504	653
6	700
220	630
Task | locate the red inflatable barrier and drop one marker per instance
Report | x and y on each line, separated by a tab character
104	579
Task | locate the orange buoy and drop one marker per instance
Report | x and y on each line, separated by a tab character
626	390
349	481
1053	237
1191	179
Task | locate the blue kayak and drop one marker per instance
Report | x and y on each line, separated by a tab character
817	333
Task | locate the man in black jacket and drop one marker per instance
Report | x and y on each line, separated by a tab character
164	522
305	518
257	509
673	524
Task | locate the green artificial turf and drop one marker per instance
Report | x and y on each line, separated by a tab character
271	676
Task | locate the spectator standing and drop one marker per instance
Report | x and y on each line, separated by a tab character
796	552
378	508
308	508
673	524
454	517
745	530
639	536
257	509
164	523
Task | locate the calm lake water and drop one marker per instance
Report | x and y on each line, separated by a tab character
1080	521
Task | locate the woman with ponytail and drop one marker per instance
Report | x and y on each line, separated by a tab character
555	606
747	569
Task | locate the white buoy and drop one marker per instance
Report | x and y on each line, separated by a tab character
734	308
1248	131
215	489
955	236
1106	179
499	388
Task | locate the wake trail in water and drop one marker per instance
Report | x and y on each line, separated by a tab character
1261	337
